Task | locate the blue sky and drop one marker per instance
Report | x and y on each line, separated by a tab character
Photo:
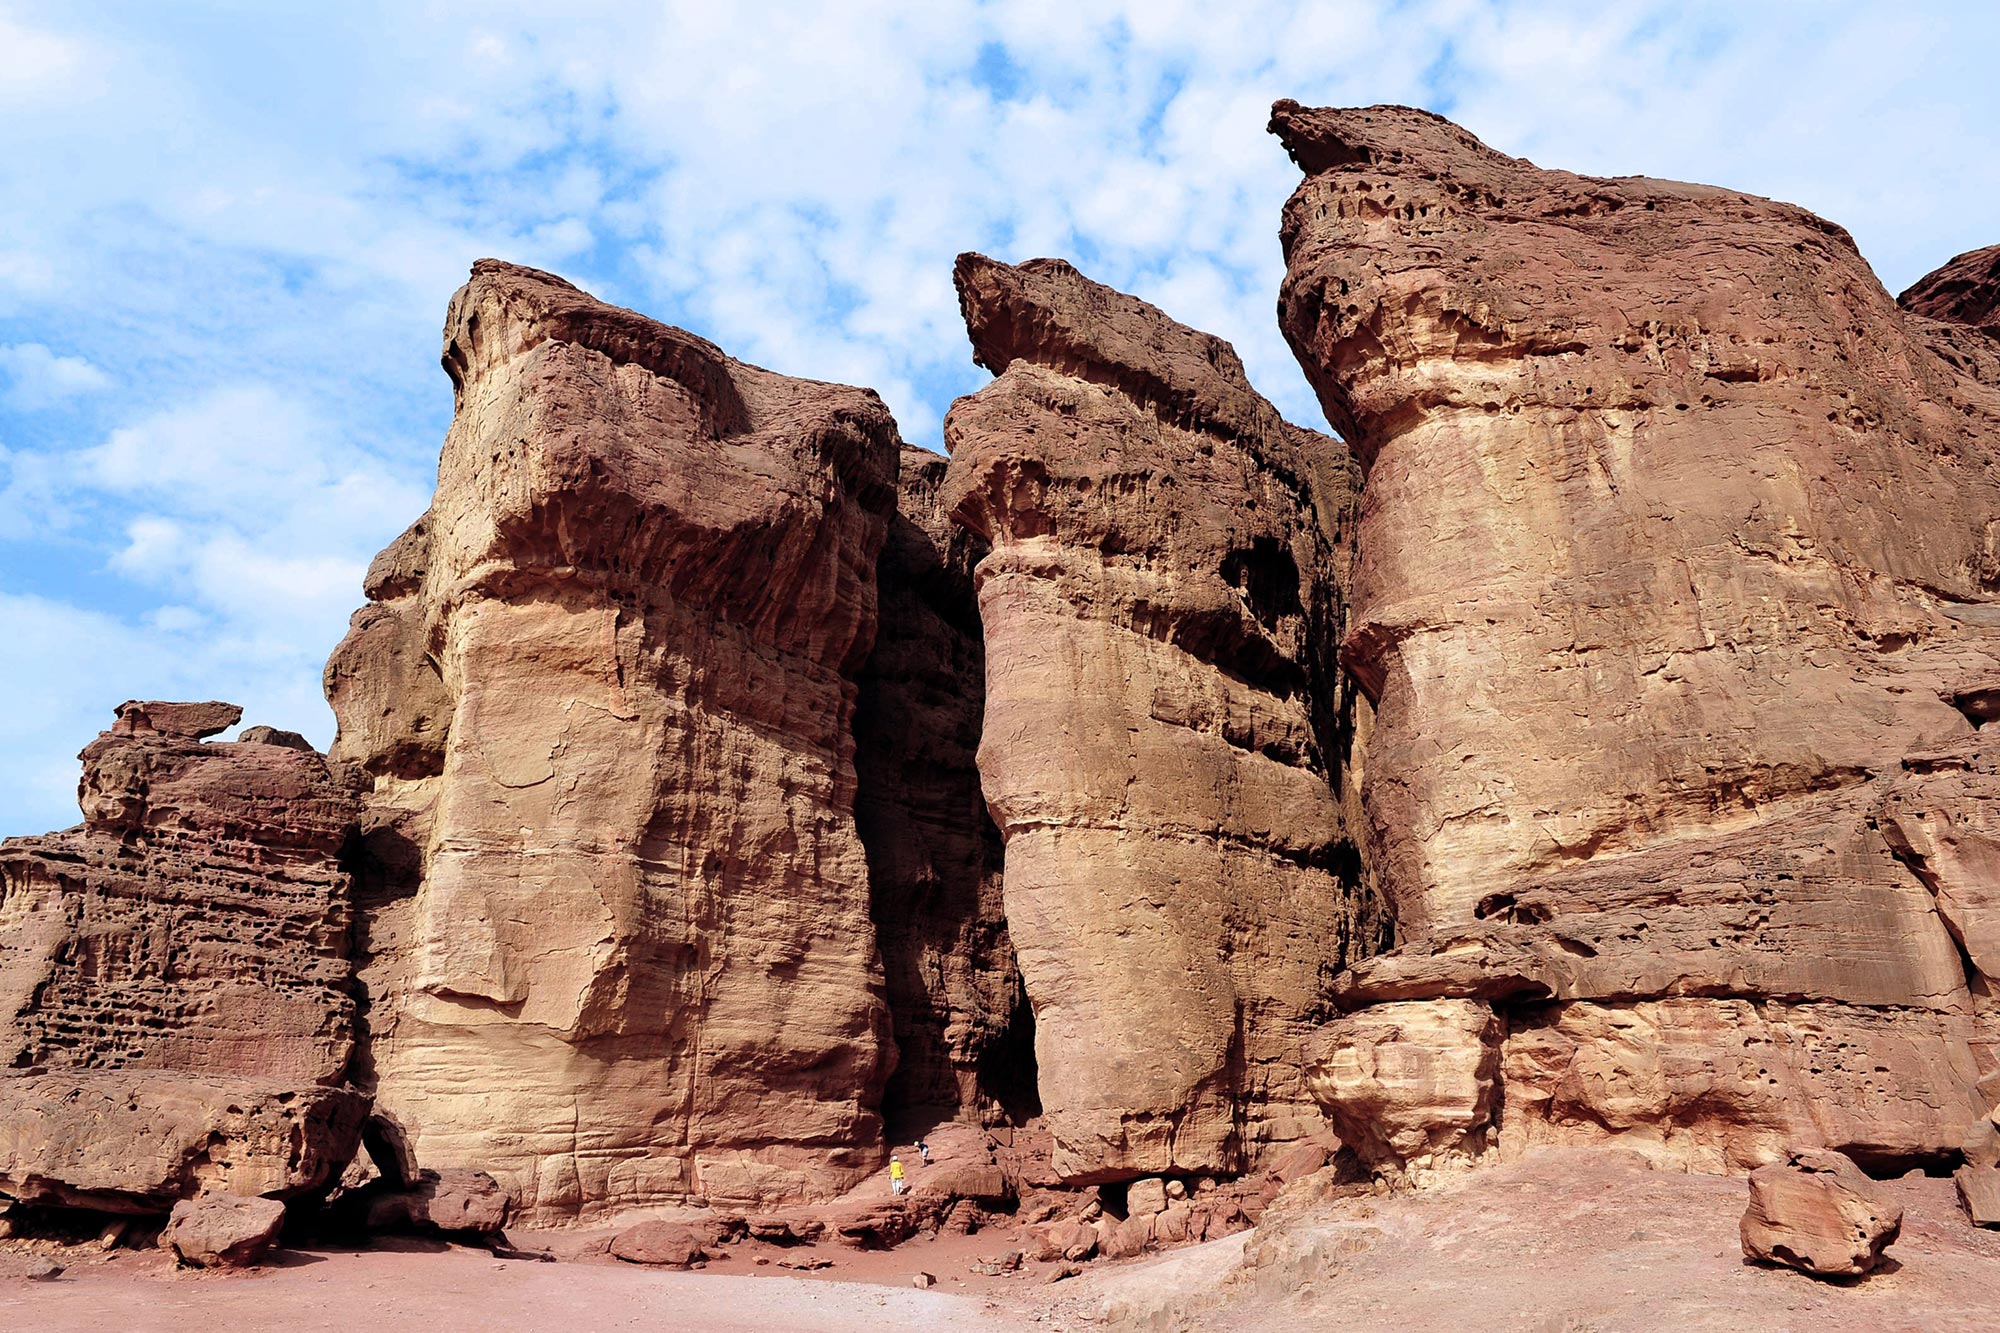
228	232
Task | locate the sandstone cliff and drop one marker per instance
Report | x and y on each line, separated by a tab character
1965	291
1160	602
1678	603
175	1003
964	1031
617	914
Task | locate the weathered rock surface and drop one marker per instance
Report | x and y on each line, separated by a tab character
1676	603
1410	1082
1818	1212
175	997
1162	735
223	1230
617	917
1965	291
964	1032
135	1141
661	1244
455	1201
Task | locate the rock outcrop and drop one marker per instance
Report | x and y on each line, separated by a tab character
964	1032
617	912
1162	741
175	1002
1678	606
1965	291
1818	1212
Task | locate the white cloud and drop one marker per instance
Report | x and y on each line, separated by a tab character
38	378
253	216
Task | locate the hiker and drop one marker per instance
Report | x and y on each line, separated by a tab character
924	1151
895	1174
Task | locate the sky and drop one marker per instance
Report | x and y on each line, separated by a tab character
228	232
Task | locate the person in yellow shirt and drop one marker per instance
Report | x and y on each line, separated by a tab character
895	1174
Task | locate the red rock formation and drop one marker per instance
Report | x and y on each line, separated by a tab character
1676	604
1159	604
964	1032
618	932
175	1006
1965	291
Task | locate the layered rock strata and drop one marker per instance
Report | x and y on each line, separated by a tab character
964	1032
617	914
1678	604
1160	605
175	987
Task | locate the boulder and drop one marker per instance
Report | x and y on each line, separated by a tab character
1143	1198
1675	613
1417	1080
455	1200
601	704
660	1244
1132	1236
1820	1213
982	1182
223	1230
1979	1191
1162	750
137	1141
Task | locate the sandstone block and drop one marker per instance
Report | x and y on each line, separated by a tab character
223	1230
660	1244
1819	1213
1400	1082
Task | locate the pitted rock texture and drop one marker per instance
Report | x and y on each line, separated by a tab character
1162	735
1965	291
1679	569
617	916
175	982
964	1032
196	921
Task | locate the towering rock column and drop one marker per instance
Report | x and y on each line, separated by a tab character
619	935
1679	564
1160	604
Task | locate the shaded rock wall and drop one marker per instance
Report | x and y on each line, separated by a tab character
1678	579
175	986
1965	291
964	1031
1160	604
619	949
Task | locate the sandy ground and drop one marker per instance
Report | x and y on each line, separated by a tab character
1564	1243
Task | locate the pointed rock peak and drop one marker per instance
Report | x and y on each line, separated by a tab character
1965	291
1046	313
1323	138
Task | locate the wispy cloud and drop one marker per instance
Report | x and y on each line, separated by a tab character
227	233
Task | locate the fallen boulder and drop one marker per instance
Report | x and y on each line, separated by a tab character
223	1230
1820	1213
1979	1191
455	1201
660	1245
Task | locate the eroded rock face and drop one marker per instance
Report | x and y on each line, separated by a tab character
1677	604
1416	1082
175	1003
1816	1211
1162	734
964	1032
617	917
1965	291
